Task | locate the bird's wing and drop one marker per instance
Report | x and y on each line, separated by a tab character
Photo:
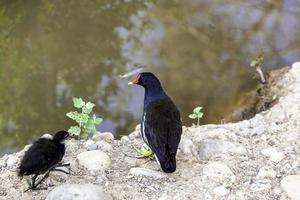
39	157
163	129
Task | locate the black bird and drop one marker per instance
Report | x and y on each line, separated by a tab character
43	156
161	125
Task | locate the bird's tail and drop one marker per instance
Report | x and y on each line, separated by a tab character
169	165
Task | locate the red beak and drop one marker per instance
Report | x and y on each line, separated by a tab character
136	80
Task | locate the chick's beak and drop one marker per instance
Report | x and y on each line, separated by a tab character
135	81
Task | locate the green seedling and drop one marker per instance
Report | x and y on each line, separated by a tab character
143	152
197	114
86	123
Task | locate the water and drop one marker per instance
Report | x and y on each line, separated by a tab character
51	51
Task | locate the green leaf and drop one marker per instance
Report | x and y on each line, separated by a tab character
90	126
97	120
84	136
193	116
78	102
74	130
88	107
73	115
197	109
82	119
253	63
200	115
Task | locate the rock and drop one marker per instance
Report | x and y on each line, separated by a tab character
125	139
138	127
266	172
186	146
94	160
104	145
78	192
11	161
221	191
273	154
146	172
212	147
260	185
90	145
219	173
107	136
291	186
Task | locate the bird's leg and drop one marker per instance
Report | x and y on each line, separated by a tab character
62	165
32	183
40	181
60	170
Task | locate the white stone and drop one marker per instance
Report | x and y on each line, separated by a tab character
11	161
291	186
90	145
94	160
104	145
212	147
219	173
221	191
125	139
107	136
146	172
138	127
273	154
78	192
266	172
260	185
186	146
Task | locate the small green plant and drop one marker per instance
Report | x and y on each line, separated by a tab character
86	122
197	114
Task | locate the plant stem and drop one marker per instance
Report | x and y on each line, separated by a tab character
198	122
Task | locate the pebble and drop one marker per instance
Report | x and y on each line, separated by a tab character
107	136
266	172
186	146
78	192
260	185
219	173
11	161
291	186
90	145
104	145
213	147
221	191
273	154
94	160
125	139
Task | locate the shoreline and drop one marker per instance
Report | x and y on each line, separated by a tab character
258	158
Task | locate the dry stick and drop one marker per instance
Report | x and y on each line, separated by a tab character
261	74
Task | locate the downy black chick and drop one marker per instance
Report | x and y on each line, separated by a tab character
43	156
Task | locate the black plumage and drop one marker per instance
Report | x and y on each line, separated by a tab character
43	156
161	125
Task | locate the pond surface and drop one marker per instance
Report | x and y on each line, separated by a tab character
51	51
